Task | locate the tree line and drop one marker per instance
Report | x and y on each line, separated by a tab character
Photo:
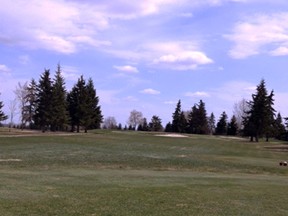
255	118
46	104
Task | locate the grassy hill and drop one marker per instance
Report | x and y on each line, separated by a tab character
132	173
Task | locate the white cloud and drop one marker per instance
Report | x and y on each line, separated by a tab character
260	34
4	69
280	51
197	94
184	61
127	68
71	25
150	91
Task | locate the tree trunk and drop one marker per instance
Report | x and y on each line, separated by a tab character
256	138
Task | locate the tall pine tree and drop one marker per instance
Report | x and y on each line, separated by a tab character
44	98
221	128
92	117
197	122
260	116
30	104
59	117
176	118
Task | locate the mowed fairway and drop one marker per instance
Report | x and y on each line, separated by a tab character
132	173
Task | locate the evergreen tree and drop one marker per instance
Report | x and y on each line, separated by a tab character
168	127
232	126
279	127
59	108
83	106
182	123
143	126
260	116
44	106
76	103
176	121
30	104
211	123
92	117
221	128
197	122
3	117
155	124
193	120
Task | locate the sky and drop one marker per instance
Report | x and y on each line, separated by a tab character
146	55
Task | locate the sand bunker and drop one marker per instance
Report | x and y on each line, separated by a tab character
10	159
172	135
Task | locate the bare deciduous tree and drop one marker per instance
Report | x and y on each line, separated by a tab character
240	111
110	123
135	118
12	108
21	93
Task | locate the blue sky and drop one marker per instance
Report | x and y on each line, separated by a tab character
146	55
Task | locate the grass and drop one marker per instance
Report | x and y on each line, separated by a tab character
130	173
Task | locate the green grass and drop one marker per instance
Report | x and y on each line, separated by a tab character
130	173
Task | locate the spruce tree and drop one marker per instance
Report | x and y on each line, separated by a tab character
44	106
93	117
232	127
155	124
221	128
260	116
279	127
3	117
76	103
59	108
30	104
176	124
168	127
197	119
211	123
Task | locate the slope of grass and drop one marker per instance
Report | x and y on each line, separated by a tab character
129	173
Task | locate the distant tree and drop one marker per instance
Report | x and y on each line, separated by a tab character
93	117
3	117
197	119
143	126
240	111
211	123
119	126
59	113
12	109
21	94
44	98
232	127
155	124
168	127
182	122
135	118
110	123
176	118
279	127
30	104
260	116
221	128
